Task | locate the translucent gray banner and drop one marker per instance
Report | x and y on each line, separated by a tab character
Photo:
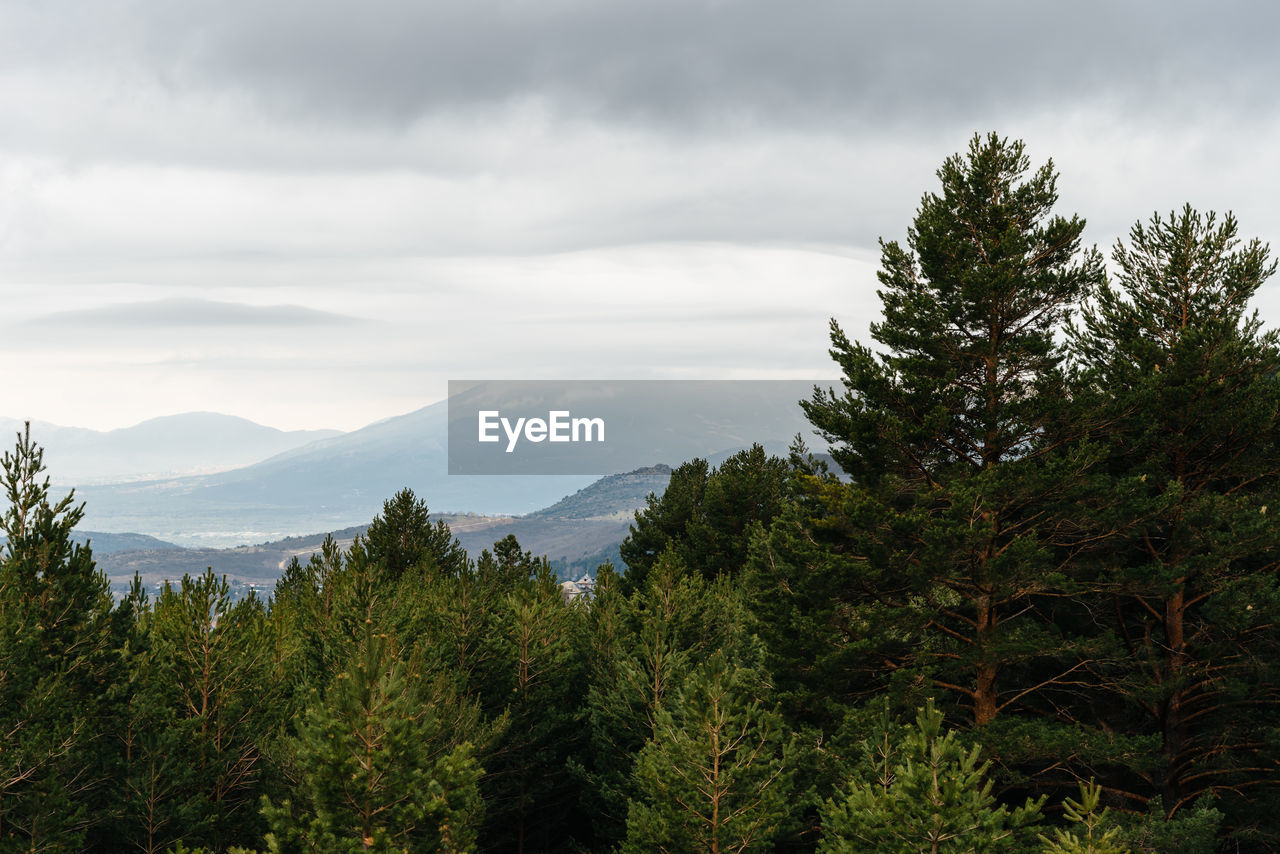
610	426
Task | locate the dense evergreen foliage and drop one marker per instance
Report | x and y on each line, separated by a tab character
1035	610
704	514
922	791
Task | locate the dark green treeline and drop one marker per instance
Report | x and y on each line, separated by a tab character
1032	607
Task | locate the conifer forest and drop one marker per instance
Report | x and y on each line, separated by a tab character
1022	596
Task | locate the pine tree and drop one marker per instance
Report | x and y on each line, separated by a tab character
664	518
451	621
1185	384
531	796
1092	835
803	573
943	544
643	647
376	767
717	775
60	644
404	536
160	779
611	748
205	700
322	606
924	792
707	515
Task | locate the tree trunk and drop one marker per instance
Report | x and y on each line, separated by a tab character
1174	726
985	694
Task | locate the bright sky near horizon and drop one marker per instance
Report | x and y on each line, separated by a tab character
313	214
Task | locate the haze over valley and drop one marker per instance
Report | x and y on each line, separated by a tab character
248	520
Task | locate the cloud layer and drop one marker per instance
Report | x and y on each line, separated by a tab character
187	314
510	188
688	63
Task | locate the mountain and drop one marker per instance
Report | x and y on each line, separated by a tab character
328	484
110	544
616	496
577	533
580	531
341	481
173	445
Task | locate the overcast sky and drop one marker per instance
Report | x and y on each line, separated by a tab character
313	214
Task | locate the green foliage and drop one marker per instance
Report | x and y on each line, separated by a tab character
663	520
1182	382
376	767
941	543
642	647
923	791
970	309
706	515
60	674
825	655
716	775
403	537
320	609
203	697
161	805
1192	830
1092	837
452	623
614	734
530	793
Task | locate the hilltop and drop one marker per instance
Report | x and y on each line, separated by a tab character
576	533
612	496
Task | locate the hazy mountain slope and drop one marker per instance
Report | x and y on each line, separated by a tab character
581	530
341	481
567	542
109	544
577	533
326	485
616	496
173	445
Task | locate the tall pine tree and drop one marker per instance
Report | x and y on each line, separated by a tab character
60	645
1185	384
376	765
204	699
942	546
717	775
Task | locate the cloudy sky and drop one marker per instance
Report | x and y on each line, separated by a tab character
313	214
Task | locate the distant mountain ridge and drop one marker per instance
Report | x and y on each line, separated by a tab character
338	481
329	484
611	496
169	446
577	533
110	544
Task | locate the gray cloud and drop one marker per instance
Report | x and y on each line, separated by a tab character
191	313
507	126
680	62
695	61
548	186
773	316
